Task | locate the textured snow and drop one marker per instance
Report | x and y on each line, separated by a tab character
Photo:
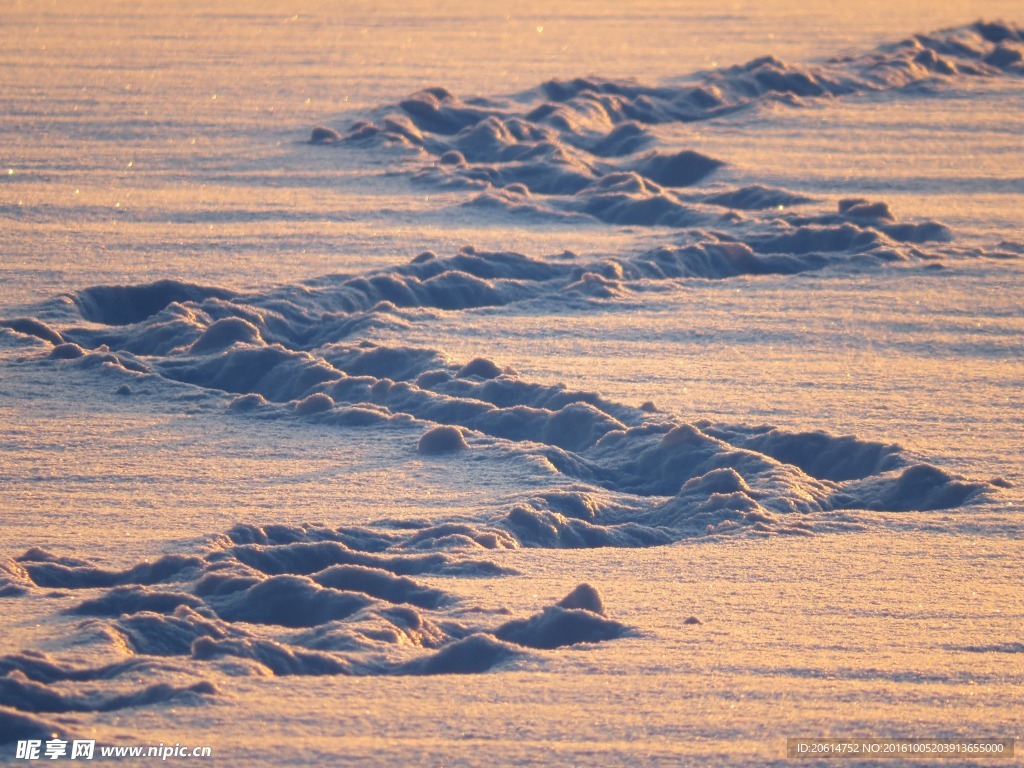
428	385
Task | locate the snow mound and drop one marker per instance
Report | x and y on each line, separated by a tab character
442	440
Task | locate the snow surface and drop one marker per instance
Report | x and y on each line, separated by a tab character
420	384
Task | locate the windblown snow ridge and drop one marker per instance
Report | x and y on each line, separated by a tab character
586	146
279	600
172	316
276	600
647	478
653	479
625	476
